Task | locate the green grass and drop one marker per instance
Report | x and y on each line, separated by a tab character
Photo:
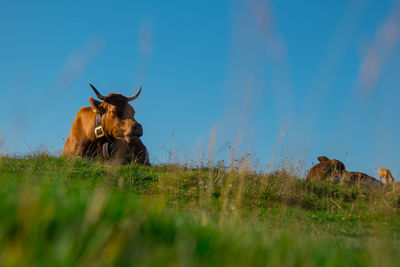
63	212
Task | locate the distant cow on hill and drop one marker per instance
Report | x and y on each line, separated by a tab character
386	175
107	128
335	171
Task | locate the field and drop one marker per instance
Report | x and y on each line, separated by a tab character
63	212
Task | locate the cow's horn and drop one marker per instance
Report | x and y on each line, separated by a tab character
135	95
99	96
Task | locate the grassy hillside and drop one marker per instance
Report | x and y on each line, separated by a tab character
75	212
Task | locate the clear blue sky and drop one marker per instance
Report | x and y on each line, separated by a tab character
271	78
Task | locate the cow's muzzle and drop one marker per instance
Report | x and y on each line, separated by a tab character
137	129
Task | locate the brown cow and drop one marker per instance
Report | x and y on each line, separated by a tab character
107	128
326	169
335	171
386	175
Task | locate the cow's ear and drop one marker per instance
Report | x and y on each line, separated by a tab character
95	105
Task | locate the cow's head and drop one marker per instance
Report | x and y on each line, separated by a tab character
117	115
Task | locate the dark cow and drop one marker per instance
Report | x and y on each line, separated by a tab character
107	128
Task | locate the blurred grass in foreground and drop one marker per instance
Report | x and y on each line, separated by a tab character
63	212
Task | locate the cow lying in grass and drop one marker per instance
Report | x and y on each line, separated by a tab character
334	170
107	129
386	175
327	169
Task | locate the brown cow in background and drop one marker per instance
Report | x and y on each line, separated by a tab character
107	128
386	175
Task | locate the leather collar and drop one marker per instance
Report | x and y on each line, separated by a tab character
105	142
98	129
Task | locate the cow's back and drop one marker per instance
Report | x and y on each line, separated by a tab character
82	132
361	178
317	173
